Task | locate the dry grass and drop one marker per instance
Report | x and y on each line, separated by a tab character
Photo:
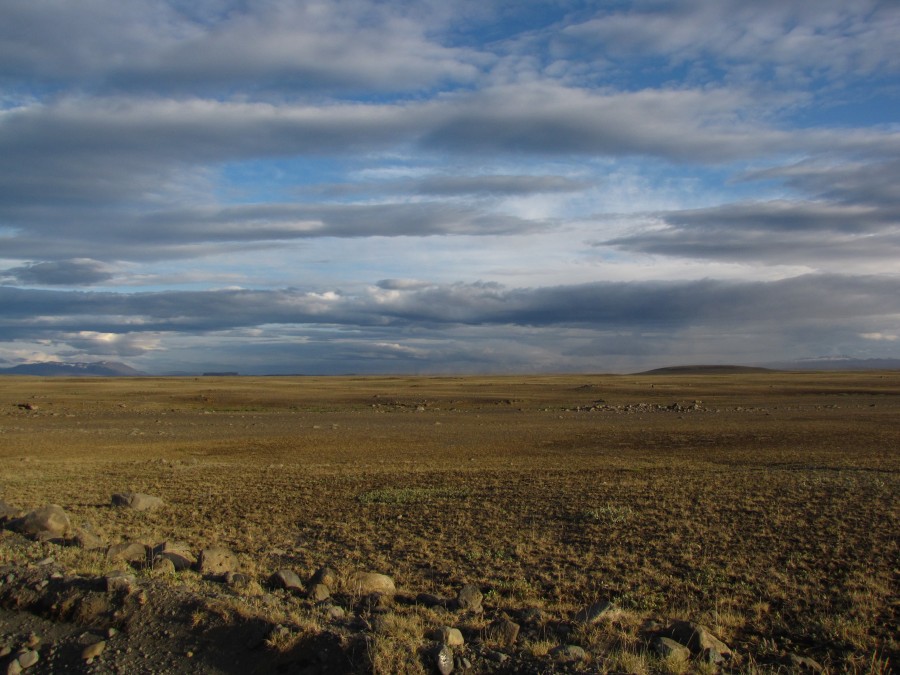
770	514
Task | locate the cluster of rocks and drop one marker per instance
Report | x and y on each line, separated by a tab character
632	408
473	637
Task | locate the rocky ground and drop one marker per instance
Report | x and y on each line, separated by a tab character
451	525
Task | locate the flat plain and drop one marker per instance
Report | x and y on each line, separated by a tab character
763	506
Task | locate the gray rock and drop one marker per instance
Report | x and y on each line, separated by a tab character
469	598
87	540
365	583
599	611
28	658
133	552
137	501
568	653
94	650
50	520
335	613
286	579
163	565
443	659
178	552
325	575
217	561
504	632
452	637
667	647
700	640
318	593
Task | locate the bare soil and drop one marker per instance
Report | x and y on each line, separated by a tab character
761	505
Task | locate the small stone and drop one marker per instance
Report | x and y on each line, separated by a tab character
443	659
28	658
14	667
286	579
5	651
237	580
469	598
668	648
217	561
319	593
365	583
568	653
504	632
599	611
94	650
33	640
452	637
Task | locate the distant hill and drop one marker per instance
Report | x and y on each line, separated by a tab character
706	370
840	363
55	369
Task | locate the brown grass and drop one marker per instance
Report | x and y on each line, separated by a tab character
770	513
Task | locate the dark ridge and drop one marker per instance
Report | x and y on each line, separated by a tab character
706	370
53	369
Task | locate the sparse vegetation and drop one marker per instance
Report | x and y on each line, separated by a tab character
768	513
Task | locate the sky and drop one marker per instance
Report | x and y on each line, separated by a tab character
490	186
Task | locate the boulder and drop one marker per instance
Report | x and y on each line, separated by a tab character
700	640
318	593
365	583
443	660
137	501
668	648
599	611
133	552
504	632
469	598
87	540
217	561
452	637
178	553
48	521
324	575
286	579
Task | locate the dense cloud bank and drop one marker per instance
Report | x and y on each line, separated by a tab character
548	184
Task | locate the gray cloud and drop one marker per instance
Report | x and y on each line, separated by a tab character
616	305
790	39
78	272
275	46
853	215
420	327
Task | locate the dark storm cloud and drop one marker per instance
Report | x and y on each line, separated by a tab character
59	273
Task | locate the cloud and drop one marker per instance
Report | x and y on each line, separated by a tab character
789	39
77	272
276	46
851	214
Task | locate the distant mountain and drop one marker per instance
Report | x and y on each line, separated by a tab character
56	369
840	363
706	370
